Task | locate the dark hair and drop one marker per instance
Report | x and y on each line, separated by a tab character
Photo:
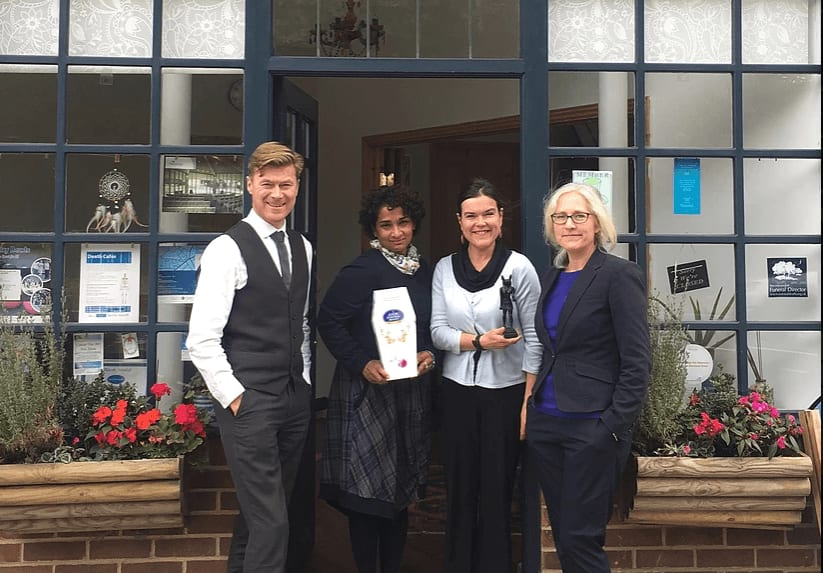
392	197
480	187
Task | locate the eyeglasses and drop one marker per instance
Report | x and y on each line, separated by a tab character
561	218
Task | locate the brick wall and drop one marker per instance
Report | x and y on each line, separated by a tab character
655	549
200	546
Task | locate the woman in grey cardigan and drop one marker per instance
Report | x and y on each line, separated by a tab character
484	380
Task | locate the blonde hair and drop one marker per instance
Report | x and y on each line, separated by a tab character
275	154
605	238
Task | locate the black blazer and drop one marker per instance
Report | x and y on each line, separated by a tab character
602	357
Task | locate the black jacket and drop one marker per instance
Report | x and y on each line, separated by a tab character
602	358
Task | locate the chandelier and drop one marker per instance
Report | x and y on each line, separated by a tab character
345	36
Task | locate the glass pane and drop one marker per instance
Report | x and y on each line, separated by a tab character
25	280
178	267
591	109
293	25
700	274
613	176
201	106
105	294
196	29
108	105
27	191
796	181
107	193
721	344
690	195
780	36
688	31
495	28
783	282
29	28
110	29
393	27
201	193
123	357
591	31
171	368
444	29
28	104
781	111
790	363
689	110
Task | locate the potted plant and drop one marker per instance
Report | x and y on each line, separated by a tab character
699	458
122	454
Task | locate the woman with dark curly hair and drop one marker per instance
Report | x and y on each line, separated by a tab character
378	434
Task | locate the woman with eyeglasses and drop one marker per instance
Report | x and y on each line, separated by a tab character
591	320
484	379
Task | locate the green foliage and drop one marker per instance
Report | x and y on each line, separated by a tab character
704	338
657	423
31	368
80	399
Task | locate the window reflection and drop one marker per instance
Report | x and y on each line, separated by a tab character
108	105
27	191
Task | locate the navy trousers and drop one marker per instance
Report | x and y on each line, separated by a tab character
578	465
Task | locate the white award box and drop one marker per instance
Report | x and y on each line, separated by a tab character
395	328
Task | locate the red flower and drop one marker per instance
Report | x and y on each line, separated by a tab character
119	413
101	415
694	400
146	419
113	437
130	434
160	389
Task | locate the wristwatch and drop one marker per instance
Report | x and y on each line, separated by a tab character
476	343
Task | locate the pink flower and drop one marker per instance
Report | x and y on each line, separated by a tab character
753	436
791	419
743	400
781	442
687	449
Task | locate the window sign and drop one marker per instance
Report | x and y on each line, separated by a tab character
600	180
684	277
178	266
25	280
109	283
787	277
88	354
132	372
686	186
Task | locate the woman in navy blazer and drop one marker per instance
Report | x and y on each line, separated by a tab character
591	320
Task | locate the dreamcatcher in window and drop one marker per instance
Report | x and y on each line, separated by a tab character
115	211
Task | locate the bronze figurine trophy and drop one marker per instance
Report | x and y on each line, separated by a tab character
506	306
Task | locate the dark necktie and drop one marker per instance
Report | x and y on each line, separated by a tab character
285	267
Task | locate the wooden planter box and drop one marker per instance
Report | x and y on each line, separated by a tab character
721	492
90	496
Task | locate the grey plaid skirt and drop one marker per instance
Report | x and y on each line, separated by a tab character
378	444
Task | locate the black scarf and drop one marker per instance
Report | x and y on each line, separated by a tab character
472	280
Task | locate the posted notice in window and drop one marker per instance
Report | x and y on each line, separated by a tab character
109	283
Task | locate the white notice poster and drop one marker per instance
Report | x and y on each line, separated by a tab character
109	283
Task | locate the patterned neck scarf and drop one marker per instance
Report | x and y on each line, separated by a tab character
406	264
